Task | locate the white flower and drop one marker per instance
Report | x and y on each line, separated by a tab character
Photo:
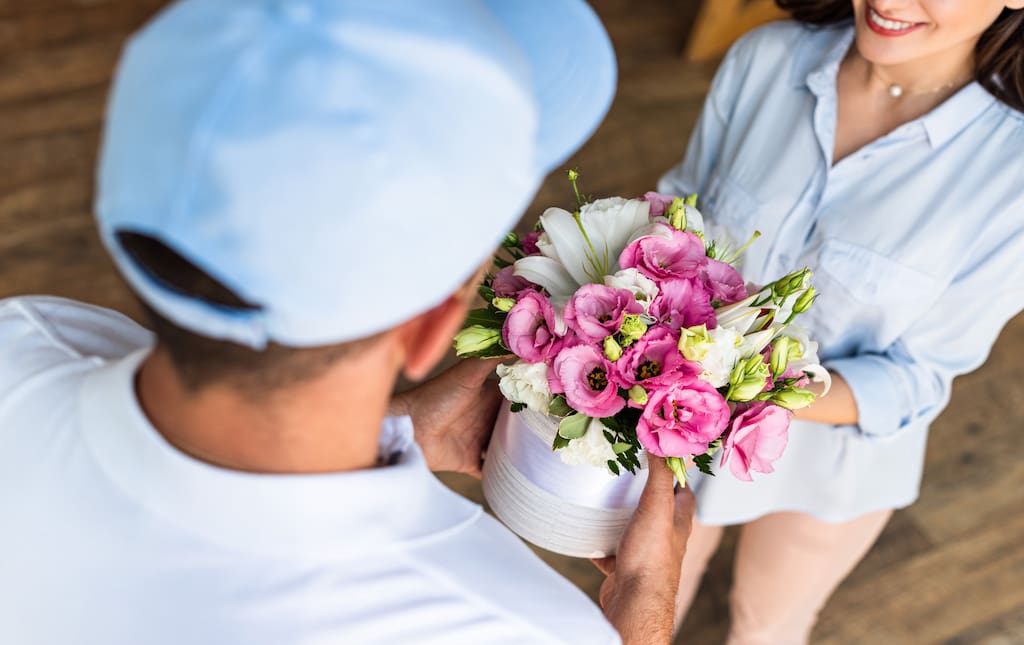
645	289
581	250
721	355
739	316
592	448
809	363
526	383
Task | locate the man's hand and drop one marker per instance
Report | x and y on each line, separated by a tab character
639	594
453	415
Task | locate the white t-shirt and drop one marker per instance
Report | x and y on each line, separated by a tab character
111	536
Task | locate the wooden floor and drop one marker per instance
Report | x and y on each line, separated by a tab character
950	569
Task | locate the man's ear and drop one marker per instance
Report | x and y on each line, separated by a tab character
426	338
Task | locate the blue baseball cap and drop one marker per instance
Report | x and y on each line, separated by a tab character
342	164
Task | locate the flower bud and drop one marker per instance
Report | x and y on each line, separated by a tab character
633	328
503	304
612	349
748	379
678	467
638	395
511	240
694	342
791	283
796	350
793	398
804	302
780	355
475	338
691	200
676	214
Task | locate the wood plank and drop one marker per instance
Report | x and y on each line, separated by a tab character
939	594
39	73
35	26
70	111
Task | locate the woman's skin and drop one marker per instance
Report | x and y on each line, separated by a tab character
930	61
931	57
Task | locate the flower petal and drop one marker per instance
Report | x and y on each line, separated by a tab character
547	273
570	245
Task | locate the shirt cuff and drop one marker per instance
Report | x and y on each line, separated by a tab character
880	407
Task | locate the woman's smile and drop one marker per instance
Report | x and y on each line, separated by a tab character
887	26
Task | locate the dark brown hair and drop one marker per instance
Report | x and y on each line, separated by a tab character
202	361
998	57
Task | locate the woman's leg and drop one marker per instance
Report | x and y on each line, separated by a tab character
787	565
703	543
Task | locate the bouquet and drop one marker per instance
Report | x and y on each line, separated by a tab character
634	332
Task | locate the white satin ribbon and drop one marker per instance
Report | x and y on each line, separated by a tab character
579	511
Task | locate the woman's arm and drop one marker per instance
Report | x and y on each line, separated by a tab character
909	382
838	407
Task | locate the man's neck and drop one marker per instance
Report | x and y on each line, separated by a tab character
328	424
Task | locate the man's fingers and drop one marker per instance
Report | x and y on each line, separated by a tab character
473	372
686	505
657	496
605	565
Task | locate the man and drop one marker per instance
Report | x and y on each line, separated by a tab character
300	193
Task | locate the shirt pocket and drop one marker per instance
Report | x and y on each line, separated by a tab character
867	300
729	210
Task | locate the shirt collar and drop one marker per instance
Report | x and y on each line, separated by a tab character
816	63
326	515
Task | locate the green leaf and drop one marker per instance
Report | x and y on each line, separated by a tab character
703	464
485	317
494	351
485	292
559	442
612	424
574	426
612	466
621	447
560	407
501	263
517	407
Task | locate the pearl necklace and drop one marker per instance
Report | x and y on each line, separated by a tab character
896	90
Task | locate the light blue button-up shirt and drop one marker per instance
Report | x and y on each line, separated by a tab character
916	242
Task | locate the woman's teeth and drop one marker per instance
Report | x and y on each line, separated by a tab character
885	23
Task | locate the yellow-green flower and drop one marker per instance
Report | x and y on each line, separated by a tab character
475	338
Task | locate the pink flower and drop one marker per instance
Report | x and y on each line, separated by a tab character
723	282
530	328
683	303
585	376
758	438
680	256
682	419
596	311
508	285
530	243
655	361
659	202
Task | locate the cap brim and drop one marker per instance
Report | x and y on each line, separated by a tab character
573	69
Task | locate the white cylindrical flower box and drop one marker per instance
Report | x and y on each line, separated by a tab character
578	511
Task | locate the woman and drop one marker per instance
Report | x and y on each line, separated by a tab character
878	142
